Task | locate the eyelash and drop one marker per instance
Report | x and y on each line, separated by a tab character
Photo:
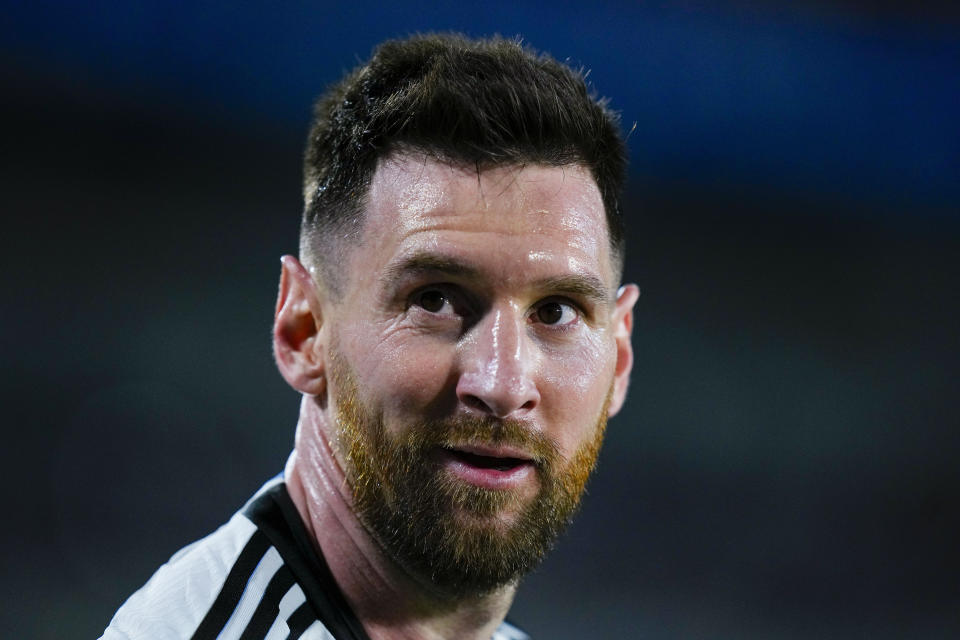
417	298
577	311
448	298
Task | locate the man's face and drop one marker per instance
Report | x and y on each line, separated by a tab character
472	358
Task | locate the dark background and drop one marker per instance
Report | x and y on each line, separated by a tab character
786	466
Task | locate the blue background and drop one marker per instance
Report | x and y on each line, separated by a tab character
786	466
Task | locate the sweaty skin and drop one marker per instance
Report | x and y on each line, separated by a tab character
490	294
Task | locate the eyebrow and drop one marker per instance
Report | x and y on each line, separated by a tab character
586	286
579	285
423	262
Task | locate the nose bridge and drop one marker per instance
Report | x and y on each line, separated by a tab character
497	365
503	345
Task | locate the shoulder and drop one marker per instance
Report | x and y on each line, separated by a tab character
181	592
201	584
507	631
248	579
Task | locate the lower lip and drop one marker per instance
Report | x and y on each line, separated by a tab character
488	478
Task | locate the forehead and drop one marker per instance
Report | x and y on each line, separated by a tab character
546	213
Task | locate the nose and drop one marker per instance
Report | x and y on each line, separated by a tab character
497	367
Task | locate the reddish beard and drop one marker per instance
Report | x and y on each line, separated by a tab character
446	532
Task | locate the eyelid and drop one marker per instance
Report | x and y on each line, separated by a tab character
582	308
454	295
418	292
579	312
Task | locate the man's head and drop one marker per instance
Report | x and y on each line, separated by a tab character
476	103
467	339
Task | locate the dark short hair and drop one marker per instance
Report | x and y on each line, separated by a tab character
482	103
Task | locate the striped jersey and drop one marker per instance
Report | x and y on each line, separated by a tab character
256	577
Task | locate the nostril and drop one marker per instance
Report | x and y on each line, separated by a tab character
475	403
478	404
498	396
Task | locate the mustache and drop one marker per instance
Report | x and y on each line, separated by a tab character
466	430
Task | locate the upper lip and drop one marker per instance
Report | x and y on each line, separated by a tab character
492	451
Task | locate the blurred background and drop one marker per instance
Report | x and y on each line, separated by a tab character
786	466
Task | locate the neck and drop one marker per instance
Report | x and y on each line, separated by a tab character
389	601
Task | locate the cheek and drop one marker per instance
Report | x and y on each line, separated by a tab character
401	374
574	388
578	373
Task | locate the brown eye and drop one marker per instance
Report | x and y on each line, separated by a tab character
432	300
550	313
556	313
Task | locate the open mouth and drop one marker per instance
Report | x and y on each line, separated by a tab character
487	462
495	468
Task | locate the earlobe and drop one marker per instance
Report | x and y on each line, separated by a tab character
297	329
623	327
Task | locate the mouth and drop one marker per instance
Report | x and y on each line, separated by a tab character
496	463
490	468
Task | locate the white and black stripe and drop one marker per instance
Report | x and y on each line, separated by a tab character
234	587
257	577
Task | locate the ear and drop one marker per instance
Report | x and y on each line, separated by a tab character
297	329
623	326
